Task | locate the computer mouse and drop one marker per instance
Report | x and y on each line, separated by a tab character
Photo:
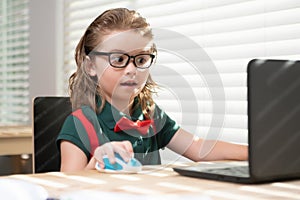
133	165
12	189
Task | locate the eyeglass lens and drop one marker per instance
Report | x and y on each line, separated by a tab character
121	60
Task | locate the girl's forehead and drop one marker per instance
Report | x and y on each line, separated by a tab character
126	41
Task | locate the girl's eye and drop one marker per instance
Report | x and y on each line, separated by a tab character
117	59
141	60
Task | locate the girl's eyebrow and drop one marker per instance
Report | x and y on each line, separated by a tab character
145	51
116	50
140	51
134	51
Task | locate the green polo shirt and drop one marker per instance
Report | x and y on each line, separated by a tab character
145	147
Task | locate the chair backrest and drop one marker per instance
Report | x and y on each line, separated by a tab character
49	113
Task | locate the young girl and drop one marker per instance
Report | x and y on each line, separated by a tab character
113	59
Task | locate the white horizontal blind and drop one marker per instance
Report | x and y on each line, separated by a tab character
14	62
231	32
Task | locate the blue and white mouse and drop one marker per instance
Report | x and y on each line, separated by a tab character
133	165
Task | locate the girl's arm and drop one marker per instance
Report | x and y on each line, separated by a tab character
74	159
196	149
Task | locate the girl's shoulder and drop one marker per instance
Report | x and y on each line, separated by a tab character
68	123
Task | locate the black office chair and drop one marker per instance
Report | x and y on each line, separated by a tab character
49	113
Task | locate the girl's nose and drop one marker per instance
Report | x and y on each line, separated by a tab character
130	68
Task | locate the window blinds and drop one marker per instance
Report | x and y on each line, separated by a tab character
230	32
14	65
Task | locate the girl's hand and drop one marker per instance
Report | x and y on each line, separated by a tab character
123	148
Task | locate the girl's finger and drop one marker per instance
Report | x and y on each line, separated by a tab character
105	149
91	164
101	163
128	146
125	155
109	150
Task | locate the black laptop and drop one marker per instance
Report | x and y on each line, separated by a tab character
273	126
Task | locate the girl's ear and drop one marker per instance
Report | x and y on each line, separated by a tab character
90	67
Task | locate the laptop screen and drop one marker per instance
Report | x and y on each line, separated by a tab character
274	113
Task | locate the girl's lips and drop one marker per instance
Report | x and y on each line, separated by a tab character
128	83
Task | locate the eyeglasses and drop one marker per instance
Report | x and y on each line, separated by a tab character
121	60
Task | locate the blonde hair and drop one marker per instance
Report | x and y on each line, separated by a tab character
84	88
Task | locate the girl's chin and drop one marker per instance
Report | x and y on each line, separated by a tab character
130	91
124	97
125	94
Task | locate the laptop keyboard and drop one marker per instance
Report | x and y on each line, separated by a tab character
239	171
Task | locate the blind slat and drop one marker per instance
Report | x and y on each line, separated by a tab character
230	121
231	107
235	24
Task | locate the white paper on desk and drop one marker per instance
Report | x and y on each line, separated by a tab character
13	189
93	195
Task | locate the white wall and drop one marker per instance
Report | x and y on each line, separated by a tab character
46	46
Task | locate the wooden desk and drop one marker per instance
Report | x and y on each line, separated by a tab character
15	140
159	180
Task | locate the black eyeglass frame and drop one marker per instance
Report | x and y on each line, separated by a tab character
99	53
